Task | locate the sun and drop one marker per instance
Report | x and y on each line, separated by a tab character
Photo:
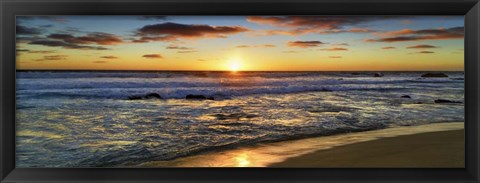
234	65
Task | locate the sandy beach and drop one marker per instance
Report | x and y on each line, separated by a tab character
433	149
437	145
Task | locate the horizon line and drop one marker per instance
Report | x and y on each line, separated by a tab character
119	70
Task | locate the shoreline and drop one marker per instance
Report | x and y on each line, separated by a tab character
310	152
424	150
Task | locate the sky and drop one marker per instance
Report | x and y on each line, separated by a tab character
241	43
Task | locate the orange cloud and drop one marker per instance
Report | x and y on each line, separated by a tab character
53	58
256	46
426	52
388	47
152	56
99	62
109	57
334	49
421	46
304	44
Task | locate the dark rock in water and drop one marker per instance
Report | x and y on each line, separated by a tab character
134	97
406	96
326	90
153	95
434	75
378	74
462	79
355	73
439	101
198	97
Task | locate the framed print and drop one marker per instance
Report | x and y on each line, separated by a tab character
239	91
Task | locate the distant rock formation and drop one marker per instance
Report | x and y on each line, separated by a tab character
134	97
434	75
439	101
153	96
378	74
198	97
148	96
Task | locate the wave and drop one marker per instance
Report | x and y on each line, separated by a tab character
206	74
122	88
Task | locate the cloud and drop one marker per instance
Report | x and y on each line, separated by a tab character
174	47
172	31
146	39
425	52
68	41
269	46
341	44
316	24
243	46
304	44
324	22
256	46
22	50
181	49
99	62
98	38
36	51
187	51
23	30
313	30
109	57
335	49
335	57
53	58
66	45
47	26
418	35
290	51
358	30
152	56
388	47
421	46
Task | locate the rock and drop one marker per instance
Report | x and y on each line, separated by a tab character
134	97
462	79
434	75
406	96
440	101
198	97
153	95
378	74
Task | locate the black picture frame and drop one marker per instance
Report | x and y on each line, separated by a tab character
11	8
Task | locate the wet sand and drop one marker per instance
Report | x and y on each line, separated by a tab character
432	149
430	145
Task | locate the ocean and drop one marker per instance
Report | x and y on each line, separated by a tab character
86	119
